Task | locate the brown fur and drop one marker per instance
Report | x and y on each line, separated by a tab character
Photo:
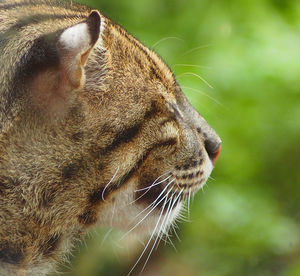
64	135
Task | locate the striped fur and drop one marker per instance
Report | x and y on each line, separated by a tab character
89	118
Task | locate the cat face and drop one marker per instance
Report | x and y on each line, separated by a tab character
161	152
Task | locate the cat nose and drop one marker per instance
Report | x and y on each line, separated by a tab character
213	148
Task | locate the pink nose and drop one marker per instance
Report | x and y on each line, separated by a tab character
213	149
216	154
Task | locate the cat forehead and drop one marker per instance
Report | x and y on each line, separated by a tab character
111	32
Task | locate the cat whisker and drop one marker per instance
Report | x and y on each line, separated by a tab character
188	201
113	214
153	232
166	38
197	76
193	65
161	193
203	93
153	184
163	228
195	49
157	237
156	204
110	181
106	236
175	232
175	202
149	187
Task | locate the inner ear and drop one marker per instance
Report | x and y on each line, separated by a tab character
62	62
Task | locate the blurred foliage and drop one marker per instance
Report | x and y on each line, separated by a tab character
247	220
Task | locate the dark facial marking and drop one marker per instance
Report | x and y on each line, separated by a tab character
191	176
187	176
154	74
199	173
139	62
51	245
154	109
101	166
8	183
47	197
186	166
3	188
11	255
68	171
169	142
96	196
122	137
77	137
73	168
151	195
126	135
194	164
88	217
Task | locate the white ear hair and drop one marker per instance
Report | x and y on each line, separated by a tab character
76	37
53	88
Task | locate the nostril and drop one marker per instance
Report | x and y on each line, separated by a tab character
216	154
213	149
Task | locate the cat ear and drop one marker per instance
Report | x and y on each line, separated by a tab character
75	44
63	65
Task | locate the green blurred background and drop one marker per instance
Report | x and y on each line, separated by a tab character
238	62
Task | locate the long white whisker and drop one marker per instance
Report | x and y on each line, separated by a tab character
161	193
189	198
143	252
166	38
149	187
175	201
110	181
193	65
113	214
153	184
165	196
181	217
204	94
175	232
163	229
169	210
197	76
105	237
195	49
162	224
184	219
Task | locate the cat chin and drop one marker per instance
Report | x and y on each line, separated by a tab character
135	219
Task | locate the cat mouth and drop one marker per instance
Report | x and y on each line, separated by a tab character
177	185
159	201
